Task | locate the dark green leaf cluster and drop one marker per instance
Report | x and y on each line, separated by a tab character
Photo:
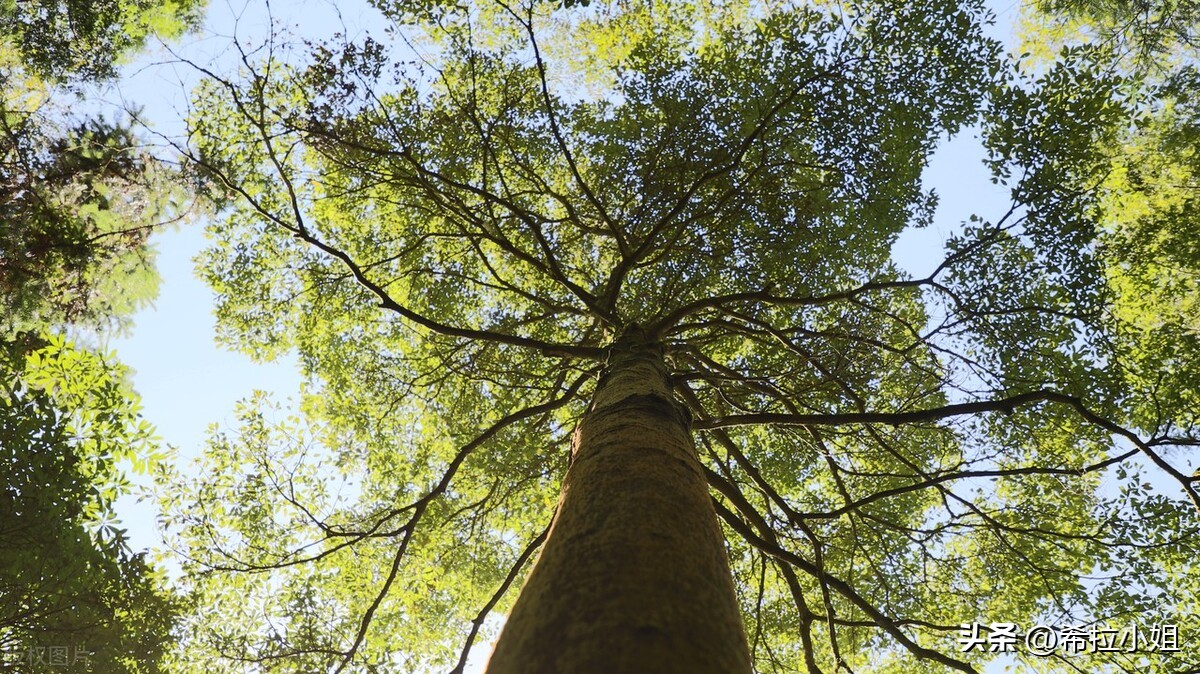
77	210
71	591
88	39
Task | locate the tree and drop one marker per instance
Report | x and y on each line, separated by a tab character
614	281
79	204
1146	211
87	40
73	593
1146	31
80	195
78	200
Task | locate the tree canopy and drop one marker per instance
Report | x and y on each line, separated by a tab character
88	39
79	198
79	193
455	221
1144	32
74	593
79	205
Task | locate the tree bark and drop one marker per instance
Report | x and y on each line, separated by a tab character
634	576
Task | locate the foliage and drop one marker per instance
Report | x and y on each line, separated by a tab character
78	197
450	237
78	201
1145	30
88	39
1142	200
71	590
1151	211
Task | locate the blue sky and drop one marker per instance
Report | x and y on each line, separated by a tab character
187	382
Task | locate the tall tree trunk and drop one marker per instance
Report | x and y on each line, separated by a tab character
634	576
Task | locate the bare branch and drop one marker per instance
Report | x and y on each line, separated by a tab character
513	572
843	588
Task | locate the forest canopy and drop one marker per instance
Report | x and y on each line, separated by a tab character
609	358
79	198
460	221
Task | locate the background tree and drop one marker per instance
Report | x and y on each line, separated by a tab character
667	227
88	40
1147	32
1146	213
73	594
80	194
78	200
79	204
